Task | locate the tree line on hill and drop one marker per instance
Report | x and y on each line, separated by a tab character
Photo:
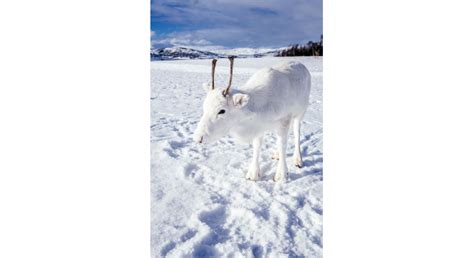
310	49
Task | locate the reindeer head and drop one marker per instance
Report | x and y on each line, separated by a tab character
222	110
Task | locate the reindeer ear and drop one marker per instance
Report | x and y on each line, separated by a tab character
207	86
240	100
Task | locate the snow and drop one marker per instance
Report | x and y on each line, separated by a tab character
201	203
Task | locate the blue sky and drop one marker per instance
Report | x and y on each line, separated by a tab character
218	24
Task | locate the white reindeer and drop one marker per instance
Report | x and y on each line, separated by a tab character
271	100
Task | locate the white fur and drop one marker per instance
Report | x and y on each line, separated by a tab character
272	100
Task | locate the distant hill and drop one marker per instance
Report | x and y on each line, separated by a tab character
176	53
173	53
247	52
309	49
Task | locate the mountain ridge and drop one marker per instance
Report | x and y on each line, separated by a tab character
177	53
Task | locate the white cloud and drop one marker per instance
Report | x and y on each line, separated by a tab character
182	39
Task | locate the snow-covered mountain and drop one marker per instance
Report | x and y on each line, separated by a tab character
246	52
181	53
173	53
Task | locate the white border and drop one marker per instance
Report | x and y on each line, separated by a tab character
398	129
74	137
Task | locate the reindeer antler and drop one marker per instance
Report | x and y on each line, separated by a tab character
214	61
226	91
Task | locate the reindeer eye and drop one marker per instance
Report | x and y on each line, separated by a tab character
222	111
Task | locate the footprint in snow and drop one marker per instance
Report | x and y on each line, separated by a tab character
214	219
189	170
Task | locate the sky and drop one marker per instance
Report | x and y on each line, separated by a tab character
226	24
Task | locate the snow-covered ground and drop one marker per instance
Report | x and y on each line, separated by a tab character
201	203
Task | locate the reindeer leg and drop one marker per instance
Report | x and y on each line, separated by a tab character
297	154
254	169
282	138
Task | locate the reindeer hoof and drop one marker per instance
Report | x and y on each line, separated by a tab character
298	162
252	179
252	176
275	156
279	179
